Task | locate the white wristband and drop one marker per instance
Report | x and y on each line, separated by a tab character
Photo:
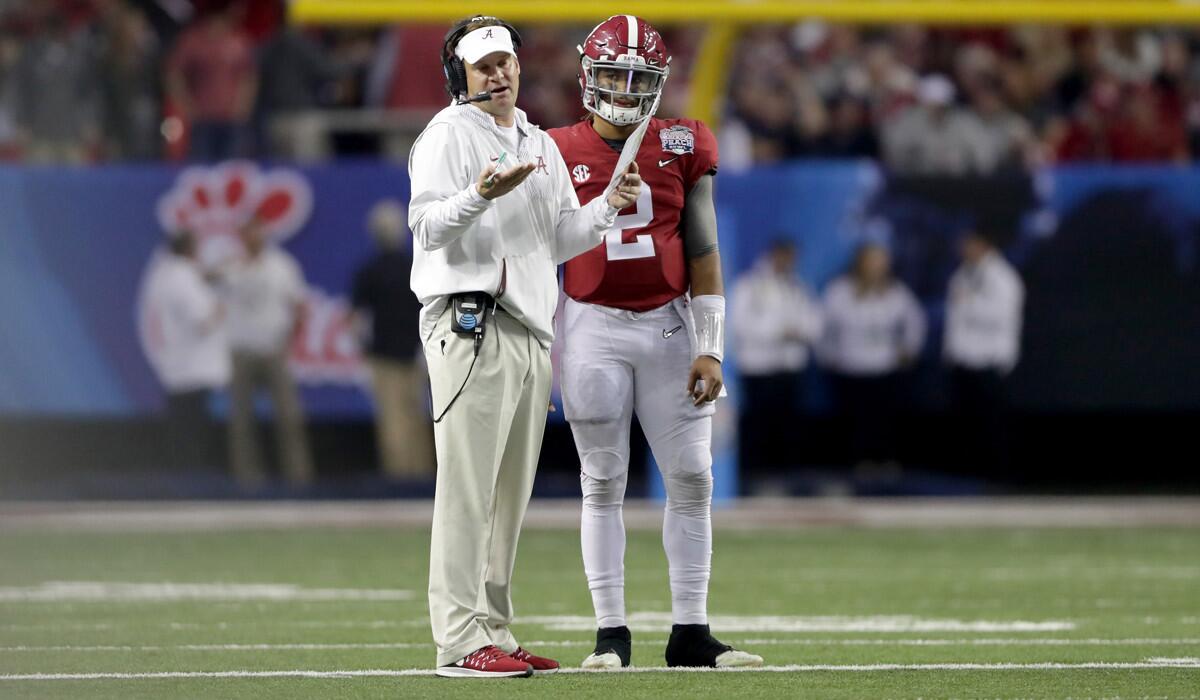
708	311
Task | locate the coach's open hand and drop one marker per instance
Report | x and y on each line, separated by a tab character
627	190
707	370
504	182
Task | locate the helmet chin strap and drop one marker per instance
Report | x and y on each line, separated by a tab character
631	114
620	115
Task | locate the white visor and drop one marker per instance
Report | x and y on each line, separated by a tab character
482	42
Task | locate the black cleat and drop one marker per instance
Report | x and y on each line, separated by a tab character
614	647
694	645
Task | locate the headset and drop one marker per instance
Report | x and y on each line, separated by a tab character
452	66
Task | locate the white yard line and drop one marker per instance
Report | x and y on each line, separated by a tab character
742	514
808	641
224	647
661	622
169	592
984	642
1188	663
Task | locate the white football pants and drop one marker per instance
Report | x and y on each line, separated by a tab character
616	362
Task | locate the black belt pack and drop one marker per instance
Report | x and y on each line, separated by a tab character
469	313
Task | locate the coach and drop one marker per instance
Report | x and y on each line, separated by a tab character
489	237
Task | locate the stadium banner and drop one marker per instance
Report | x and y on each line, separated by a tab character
1110	257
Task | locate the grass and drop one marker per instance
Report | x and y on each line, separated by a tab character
1122	596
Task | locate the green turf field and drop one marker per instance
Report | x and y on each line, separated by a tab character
837	613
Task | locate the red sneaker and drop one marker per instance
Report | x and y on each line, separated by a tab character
488	662
541	665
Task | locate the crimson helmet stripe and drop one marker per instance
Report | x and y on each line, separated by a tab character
633	34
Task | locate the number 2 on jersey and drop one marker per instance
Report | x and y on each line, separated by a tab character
643	247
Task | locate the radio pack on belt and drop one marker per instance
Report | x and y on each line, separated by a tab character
470	313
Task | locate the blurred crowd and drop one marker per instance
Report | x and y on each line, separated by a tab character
105	80
97	80
959	100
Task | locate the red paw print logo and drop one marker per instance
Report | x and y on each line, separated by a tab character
215	202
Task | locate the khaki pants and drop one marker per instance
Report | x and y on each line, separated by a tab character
250	372
402	427
487	453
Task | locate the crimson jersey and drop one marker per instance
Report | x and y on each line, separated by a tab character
641	264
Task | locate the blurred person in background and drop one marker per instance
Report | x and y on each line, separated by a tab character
297	74
389	314
1083	133
982	343
129	84
552	93
874	330
10	49
934	137
266	293
191	357
405	71
1003	139
1146	129
850	133
212	79
774	321
763	108
55	85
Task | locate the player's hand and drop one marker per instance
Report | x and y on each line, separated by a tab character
705	380
627	190
492	184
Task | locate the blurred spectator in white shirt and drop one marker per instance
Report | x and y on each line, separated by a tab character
188	349
1002	138
934	137
874	329
266	301
982	343
774	320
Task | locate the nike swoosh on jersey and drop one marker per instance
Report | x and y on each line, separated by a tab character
664	163
669	333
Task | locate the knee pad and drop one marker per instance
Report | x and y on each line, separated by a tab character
603	463
689	483
603	493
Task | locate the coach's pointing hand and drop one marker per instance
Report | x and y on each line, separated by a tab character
492	184
627	190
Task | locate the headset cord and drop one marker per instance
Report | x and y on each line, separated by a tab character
478	344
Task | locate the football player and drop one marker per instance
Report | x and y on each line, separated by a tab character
643	321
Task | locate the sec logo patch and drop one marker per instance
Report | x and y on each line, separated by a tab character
581	173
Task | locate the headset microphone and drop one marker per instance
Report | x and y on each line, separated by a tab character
483	96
